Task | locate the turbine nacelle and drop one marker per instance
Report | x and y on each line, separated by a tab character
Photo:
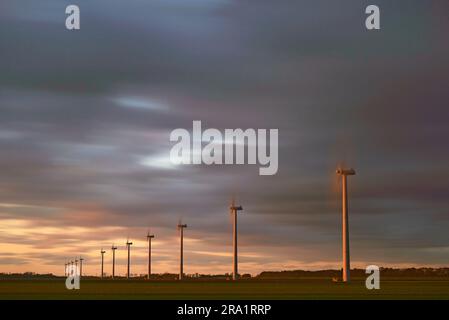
345	172
233	207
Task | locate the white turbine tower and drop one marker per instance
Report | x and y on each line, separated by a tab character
113	248
149	237
128	245
234	210
345	225
81	266
181	252
102	262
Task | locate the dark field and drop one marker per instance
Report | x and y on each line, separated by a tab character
245	289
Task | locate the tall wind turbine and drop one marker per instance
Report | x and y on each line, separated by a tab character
81	267
234	210
149	237
102	262
113	260
345	225
128	244
181	253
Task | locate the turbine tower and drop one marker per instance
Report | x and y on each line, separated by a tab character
81	266
76	266
102	262
234	210
113	260
69	268
149	237
345	225
128	244
181	253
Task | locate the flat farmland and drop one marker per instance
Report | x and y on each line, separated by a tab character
244	289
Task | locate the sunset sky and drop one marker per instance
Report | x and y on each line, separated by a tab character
85	119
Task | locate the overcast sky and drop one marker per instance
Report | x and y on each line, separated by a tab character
85	119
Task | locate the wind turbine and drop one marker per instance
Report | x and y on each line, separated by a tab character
68	268
234	210
149	237
76	266
345	225
128	244
181	254
102	262
81	266
113	260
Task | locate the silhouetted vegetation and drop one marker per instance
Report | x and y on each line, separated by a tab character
392	273
385	273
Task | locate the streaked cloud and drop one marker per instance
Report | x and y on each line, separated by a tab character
140	103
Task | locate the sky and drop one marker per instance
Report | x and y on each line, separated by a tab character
85	120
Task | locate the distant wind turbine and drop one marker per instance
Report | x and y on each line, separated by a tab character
113	248
81	267
149	237
102	262
234	210
181	253
128	244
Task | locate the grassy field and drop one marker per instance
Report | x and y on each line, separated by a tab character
248	289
